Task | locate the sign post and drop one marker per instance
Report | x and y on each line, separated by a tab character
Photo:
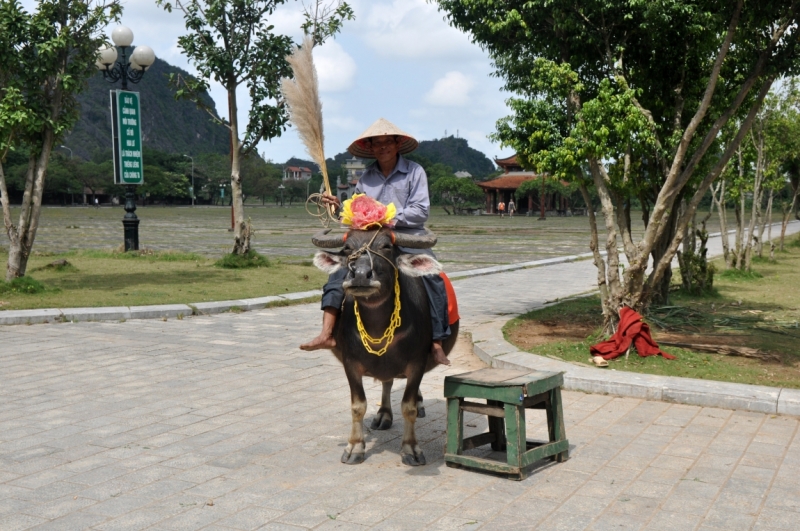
128	165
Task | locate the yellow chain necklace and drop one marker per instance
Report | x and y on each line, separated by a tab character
388	335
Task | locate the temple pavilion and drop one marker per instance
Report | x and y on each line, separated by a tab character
504	187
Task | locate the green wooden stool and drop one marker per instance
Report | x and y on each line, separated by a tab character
508	394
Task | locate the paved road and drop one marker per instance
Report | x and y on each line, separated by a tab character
221	423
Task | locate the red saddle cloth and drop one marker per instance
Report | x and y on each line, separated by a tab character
452	304
631	330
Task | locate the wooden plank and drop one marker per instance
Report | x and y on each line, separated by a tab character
534	376
479	440
481	463
531	402
455	426
483	409
544	385
510	395
515	441
489	376
531	456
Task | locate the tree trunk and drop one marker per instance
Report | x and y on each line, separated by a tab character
765	225
602	284
755	212
660	290
615	290
241	230
787	213
723	221
542	205
22	236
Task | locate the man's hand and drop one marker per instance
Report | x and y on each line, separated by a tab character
328	200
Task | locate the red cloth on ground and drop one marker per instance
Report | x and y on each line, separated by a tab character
452	304
631	329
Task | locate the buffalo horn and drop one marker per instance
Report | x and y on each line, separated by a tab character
321	239
424	241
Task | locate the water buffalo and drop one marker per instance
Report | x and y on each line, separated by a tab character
374	260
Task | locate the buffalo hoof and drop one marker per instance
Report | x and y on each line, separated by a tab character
413	457
382	421
420	412
354	454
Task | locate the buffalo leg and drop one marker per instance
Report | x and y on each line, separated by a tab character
420	407
383	419
355	451
410	451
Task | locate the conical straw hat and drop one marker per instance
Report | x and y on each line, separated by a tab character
361	148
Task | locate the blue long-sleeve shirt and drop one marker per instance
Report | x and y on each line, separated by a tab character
406	187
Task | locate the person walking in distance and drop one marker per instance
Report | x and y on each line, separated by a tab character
501	207
512	208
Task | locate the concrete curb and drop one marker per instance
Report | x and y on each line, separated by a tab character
162	311
492	348
17	317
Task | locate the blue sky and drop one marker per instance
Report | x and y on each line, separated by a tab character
399	60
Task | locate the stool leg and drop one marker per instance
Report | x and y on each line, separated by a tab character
558	422
455	426
548	407
515	434
498	428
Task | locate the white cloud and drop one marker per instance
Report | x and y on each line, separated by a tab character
336	70
410	29
452	90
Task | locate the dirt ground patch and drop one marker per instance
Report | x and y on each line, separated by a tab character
754	324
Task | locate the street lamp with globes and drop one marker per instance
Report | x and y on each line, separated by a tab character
125	63
113	61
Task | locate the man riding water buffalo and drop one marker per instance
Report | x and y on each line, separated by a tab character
403	183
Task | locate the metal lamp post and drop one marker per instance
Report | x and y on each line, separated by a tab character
125	63
188	157
281	188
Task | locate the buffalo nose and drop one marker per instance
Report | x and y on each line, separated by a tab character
362	274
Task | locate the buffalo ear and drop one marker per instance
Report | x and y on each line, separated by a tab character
328	262
417	265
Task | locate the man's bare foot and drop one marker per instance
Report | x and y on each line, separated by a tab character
438	354
319	342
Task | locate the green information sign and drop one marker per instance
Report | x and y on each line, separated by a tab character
127	131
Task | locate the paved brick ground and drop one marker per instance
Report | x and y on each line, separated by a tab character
221	423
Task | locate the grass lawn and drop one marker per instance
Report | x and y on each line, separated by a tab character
760	312
98	278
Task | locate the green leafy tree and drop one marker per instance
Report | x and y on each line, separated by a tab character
458	193
164	185
232	43
630	97
45	59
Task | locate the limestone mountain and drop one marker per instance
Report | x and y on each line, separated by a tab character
168	125
450	151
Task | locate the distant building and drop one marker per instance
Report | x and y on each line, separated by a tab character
463	174
354	168
504	188
296	173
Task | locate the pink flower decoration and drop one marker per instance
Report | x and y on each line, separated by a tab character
363	212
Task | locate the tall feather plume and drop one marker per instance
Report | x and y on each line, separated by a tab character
305	108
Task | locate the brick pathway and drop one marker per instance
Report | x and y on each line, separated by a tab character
221	423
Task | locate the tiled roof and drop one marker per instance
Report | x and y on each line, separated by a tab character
512	160
508	181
